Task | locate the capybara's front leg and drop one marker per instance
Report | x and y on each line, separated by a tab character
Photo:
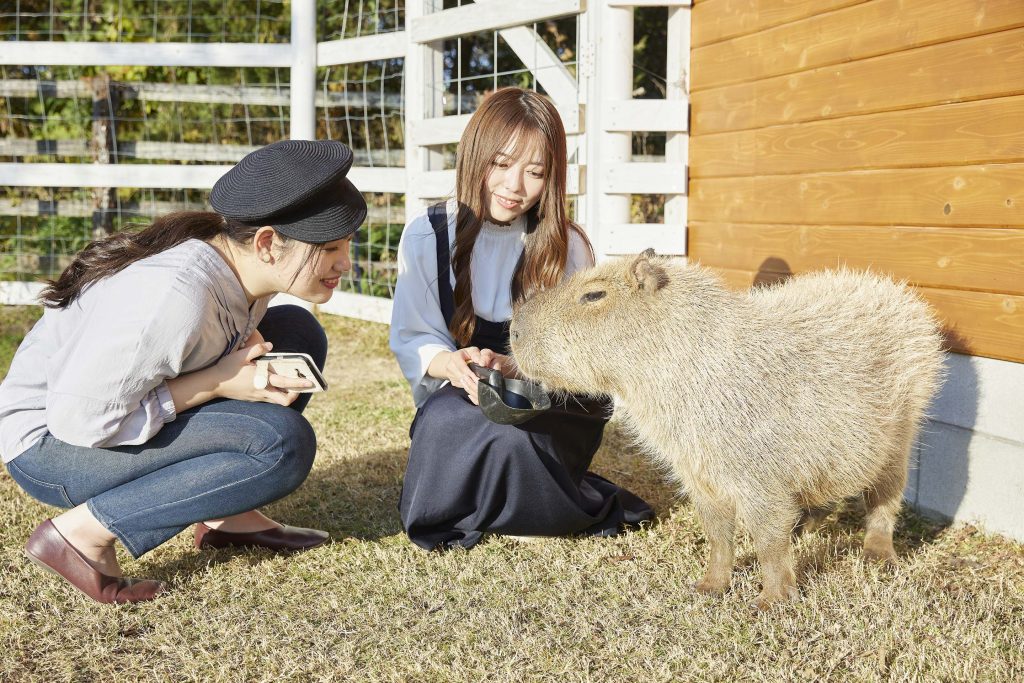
719	521
771	528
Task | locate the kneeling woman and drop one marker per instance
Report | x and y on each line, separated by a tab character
461	267
134	400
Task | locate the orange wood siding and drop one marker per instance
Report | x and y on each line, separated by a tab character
881	134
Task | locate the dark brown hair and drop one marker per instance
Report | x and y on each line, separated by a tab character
532	122
105	257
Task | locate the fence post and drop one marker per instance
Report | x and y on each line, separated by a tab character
101	146
610	31
424	91
678	80
303	70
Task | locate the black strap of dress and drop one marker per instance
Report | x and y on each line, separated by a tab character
439	222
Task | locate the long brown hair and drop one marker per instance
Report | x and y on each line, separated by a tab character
530	120
105	257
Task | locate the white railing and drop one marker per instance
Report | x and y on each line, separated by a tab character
597	109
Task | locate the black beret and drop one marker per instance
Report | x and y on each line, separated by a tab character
296	186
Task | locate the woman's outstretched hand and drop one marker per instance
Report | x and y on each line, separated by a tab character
454	367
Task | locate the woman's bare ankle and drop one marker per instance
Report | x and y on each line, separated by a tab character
243	523
82	530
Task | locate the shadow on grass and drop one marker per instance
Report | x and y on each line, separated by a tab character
350	498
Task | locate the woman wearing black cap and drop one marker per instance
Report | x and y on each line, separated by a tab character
461	267
134	400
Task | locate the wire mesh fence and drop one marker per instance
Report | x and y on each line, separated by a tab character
215	115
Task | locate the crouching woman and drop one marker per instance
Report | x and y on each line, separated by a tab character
134	401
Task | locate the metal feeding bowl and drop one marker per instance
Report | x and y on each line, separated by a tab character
508	401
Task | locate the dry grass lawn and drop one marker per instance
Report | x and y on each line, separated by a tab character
371	607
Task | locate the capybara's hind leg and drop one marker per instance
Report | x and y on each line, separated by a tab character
883	502
771	528
811	519
719	521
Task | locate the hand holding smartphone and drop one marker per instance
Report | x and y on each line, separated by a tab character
293	365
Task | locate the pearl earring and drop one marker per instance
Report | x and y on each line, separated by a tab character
265	257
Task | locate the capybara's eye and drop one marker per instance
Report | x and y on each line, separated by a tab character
592	296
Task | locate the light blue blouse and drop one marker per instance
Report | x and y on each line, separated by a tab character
418	331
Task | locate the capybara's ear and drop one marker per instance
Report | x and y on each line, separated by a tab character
646	274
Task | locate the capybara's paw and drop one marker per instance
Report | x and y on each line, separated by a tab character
881	555
710	586
879	550
767	598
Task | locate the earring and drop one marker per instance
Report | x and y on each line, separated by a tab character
265	257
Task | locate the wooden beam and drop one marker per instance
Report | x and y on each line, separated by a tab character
80	208
172	151
650	3
362	49
476	18
543	63
957	258
164	176
965	196
978	132
715	20
850	34
646	115
644	178
70	53
970	69
174	92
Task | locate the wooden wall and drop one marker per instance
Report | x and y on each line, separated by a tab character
875	133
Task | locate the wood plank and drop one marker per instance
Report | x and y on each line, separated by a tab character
857	32
475	18
970	69
200	177
966	196
967	132
715	20
70	53
646	115
362	49
180	92
976	323
643	178
957	258
172	151
81	208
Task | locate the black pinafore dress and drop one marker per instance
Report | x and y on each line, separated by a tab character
467	475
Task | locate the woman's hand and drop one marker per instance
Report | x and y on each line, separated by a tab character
454	367
236	372
506	365
232	377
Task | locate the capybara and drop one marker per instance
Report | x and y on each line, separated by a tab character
766	404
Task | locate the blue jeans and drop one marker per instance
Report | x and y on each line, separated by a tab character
216	460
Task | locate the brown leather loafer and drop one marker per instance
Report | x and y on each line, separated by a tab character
284	538
51	551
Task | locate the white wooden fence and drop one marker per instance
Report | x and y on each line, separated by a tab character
596	106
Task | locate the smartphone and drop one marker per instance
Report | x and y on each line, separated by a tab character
298	365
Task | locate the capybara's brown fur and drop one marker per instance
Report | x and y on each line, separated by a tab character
765	404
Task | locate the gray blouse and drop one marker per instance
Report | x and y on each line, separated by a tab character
94	374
